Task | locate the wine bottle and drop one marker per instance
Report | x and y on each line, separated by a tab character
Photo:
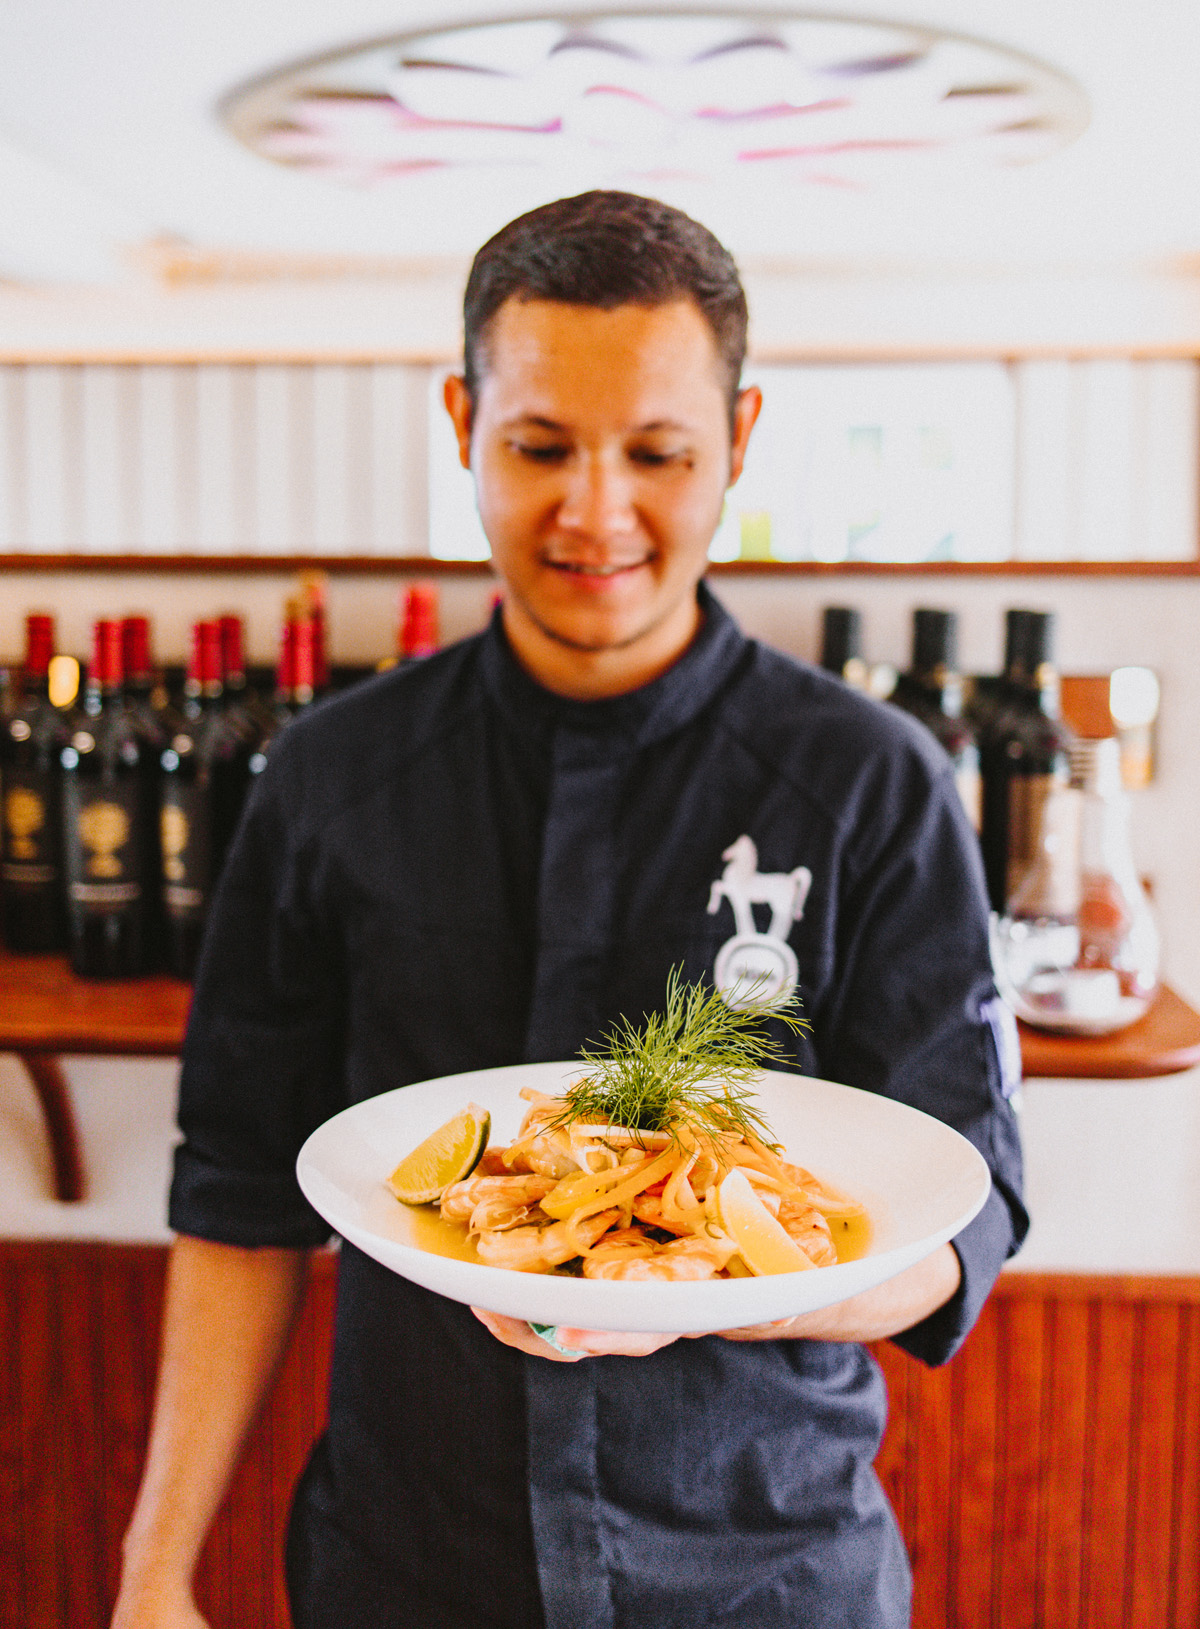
841	645
1025	755
145	694
110	842
295	677
313	603
986	695
932	690
31	738
419	623
205	775
242	705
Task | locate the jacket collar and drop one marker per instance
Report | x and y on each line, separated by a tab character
639	717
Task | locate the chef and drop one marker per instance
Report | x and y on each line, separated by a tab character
489	858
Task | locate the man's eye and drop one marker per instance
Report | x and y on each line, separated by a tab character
540	454
655	458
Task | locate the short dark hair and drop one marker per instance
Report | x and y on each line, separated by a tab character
607	249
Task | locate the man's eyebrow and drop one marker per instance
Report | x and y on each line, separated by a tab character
534	420
538	422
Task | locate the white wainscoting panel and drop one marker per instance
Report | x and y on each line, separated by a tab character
275	459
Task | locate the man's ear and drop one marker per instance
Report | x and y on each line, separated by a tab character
745	415
460	408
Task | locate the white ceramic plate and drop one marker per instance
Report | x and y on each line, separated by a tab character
920	1181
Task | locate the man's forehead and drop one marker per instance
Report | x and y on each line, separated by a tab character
534	344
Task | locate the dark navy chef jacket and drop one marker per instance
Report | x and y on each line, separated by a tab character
449	868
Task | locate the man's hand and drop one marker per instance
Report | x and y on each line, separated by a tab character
585	1342
889	1308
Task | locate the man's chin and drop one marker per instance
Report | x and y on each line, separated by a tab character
593	636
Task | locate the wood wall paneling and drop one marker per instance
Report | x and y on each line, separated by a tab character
274	460
1049	1478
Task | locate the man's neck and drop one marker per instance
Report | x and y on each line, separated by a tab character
596	675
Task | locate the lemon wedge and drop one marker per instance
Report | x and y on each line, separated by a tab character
761	1242
448	1155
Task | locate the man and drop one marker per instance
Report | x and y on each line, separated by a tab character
490	858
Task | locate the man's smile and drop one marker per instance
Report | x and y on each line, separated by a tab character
609	569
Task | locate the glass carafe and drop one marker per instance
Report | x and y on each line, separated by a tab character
1077	949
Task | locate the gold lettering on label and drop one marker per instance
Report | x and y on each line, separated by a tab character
24	814
103	828
174	828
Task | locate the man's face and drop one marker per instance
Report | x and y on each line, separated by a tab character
601	450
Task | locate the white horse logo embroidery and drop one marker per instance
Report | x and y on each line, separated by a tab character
755	967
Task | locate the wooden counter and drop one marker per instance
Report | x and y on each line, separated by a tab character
45	1008
46	1011
1164	1042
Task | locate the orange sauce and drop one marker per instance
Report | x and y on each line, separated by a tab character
439	1237
851	1235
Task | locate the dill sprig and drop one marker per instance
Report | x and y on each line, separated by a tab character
692	1064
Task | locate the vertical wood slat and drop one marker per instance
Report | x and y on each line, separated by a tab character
931	1500
1105	454
221	522
160	531
399	459
106	525
274	449
1107	1405
1166	484
1066	1428
1148	1554
1022	1339
1185	1504
1115	1340
1043	478
12	460
976	1374
48	466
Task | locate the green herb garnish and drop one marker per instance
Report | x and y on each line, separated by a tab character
692	1064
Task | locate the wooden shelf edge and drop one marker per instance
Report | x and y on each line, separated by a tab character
1016	1285
1164	1042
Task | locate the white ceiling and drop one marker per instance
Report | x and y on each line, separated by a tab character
109	137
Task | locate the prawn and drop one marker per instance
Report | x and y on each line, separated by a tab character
691	1258
808	1228
648	1208
497	1201
540	1249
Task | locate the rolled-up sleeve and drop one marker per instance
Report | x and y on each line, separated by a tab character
263	1057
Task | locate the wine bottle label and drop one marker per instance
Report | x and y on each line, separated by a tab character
102	857
29	849
1043	842
186	849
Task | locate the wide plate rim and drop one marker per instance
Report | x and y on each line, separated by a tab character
581	1303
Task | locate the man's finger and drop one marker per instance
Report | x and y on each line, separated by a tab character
516	1332
613	1343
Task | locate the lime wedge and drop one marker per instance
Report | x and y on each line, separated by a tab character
761	1241
448	1155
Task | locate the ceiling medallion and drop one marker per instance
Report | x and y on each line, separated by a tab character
643	100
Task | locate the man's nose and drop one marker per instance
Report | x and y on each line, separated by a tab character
598	500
